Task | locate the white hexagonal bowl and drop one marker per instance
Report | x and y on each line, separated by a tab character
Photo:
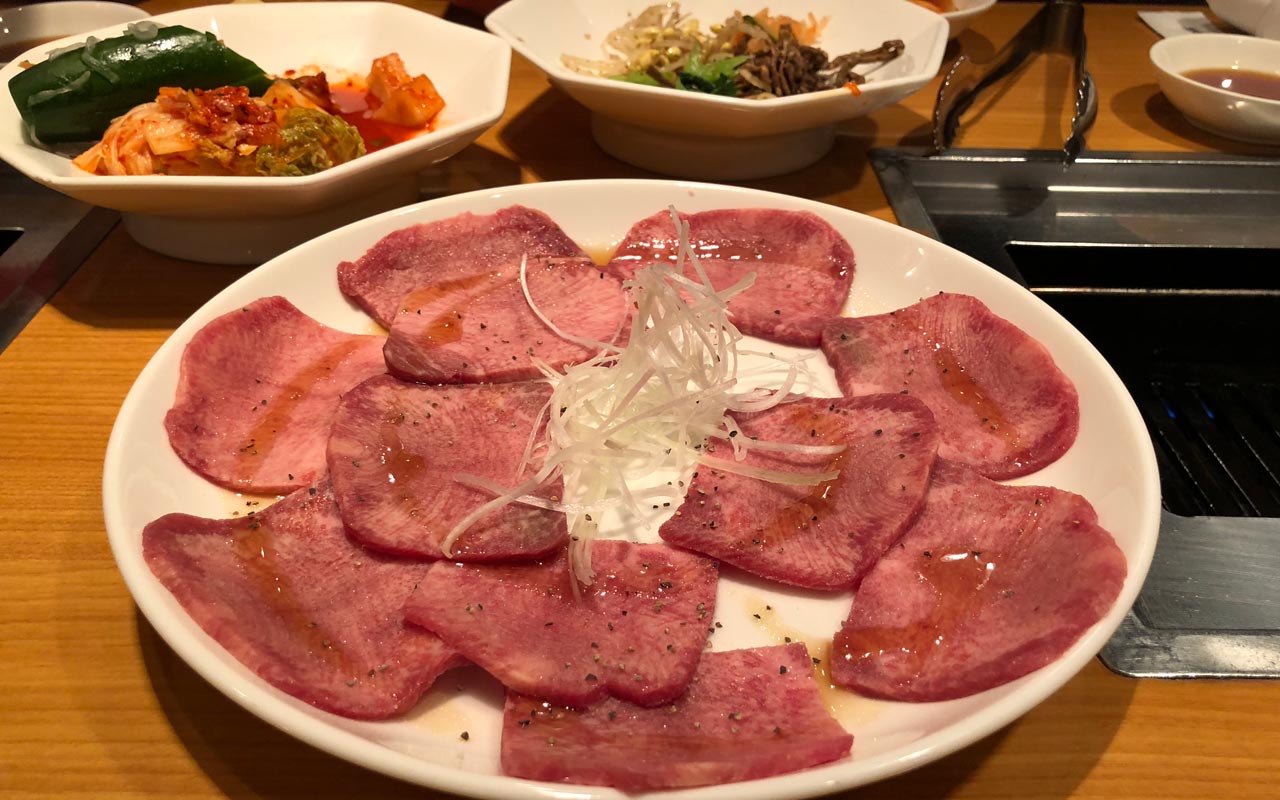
964	13
249	219
724	138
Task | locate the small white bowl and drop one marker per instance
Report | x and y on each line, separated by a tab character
1236	116
25	27
966	11
247	220
695	135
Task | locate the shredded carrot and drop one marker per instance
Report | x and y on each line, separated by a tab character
816	27
853	88
806	32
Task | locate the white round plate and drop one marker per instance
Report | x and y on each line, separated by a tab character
1112	464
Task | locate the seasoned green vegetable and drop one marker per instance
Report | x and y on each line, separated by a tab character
313	141
75	95
643	78
716	77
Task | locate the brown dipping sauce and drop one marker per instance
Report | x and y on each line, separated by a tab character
1241	81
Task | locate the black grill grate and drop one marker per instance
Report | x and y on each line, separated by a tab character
1219	455
1195	348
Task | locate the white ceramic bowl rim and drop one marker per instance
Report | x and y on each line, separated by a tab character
1160	51
41	22
556	69
969	11
68	9
1242	14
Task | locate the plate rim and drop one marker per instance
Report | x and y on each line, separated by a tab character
351	747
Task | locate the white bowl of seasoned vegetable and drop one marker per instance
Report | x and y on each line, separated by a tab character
959	14
698	88
231	133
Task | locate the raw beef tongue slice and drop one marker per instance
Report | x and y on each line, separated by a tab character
481	328
803	266
748	714
1003	406
454	249
395	451
989	584
257	389
819	537
635	633
293	599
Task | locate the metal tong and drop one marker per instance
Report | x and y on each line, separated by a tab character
1058	27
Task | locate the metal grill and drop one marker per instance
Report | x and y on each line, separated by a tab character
1172	270
1217	445
1192	332
45	238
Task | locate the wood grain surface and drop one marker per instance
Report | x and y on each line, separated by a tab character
94	705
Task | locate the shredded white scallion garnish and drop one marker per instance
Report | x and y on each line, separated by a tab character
650	406
45	95
528	298
143	30
96	64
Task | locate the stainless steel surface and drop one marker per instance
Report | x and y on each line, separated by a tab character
1200	565
1192	619
1086	111
56	235
1140	250
1057	28
981	200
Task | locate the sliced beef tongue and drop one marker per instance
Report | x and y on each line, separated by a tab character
256	392
824	536
1003	406
635	633
803	266
748	714
395	453
458	248
293	599
989	584
482	328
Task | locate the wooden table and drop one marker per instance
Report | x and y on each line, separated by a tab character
93	704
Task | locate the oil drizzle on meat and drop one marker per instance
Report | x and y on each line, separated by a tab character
254	547
445	324
966	391
276	412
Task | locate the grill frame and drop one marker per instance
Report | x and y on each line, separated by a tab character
49	236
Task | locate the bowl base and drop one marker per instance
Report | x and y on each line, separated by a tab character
1239	136
713	158
255	239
